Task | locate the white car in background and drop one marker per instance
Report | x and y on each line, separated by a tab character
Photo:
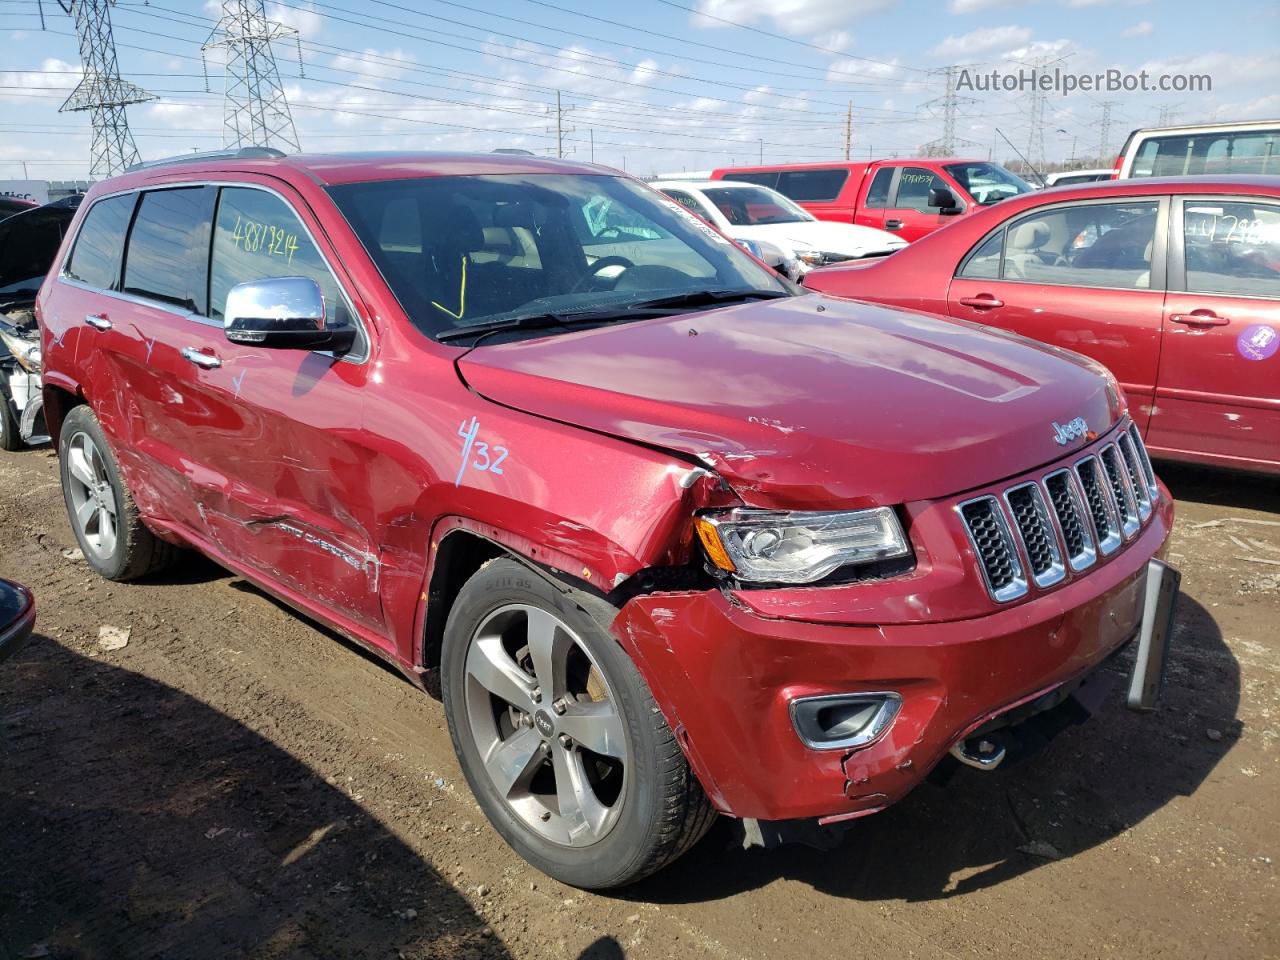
1064	178
750	213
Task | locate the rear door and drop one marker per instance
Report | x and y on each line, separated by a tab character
908	213
876	188
1085	275
1218	392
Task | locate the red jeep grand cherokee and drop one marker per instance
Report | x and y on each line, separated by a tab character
676	539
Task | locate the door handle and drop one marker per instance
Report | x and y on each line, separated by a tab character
893	224
984	302
98	321
1200	318
206	360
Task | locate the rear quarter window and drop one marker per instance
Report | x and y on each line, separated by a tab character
95	258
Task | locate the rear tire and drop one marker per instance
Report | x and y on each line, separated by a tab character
103	516
558	735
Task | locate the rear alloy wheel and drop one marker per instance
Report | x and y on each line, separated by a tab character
103	516
558	735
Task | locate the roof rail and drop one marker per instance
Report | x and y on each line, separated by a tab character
234	153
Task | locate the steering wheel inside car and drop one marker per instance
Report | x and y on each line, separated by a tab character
603	263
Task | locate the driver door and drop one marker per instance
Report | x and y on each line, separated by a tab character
909	214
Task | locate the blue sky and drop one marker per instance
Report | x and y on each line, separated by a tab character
658	85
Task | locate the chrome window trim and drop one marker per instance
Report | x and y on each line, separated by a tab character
201	318
1089	554
1017	587
1057	571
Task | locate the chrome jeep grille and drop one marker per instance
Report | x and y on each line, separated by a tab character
1066	519
1031	518
989	534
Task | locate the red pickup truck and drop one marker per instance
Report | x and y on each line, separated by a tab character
911	197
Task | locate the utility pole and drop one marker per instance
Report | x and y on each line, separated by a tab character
762	151
1104	130
254	109
100	90
848	130
561	129
592	133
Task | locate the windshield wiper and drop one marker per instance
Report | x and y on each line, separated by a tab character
660	306
708	298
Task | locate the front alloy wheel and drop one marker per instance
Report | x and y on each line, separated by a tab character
545	725
558	735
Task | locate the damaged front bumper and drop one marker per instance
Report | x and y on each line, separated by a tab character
728	679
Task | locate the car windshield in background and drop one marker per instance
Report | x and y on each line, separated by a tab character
754	206
987	183
461	252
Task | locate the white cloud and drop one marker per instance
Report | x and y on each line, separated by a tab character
974	6
980	41
52	73
1143	28
305	20
802	17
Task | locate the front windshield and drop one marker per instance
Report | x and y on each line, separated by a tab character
471	250
754	206
987	183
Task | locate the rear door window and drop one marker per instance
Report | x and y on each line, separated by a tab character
812	186
878	192
168	254
95	259
1232	247
257	236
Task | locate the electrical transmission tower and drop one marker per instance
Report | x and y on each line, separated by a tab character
945	145
1036	118
101	91
255	112
1104	130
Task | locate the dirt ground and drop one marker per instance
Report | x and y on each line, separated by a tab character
236	782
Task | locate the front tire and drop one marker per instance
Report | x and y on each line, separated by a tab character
558	735
103	516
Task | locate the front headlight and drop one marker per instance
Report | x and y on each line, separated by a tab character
814	258
779	546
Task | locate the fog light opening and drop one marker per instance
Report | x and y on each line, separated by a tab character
844	721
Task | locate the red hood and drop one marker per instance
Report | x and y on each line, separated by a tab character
810	401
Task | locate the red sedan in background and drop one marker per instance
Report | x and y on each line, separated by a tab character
1173	284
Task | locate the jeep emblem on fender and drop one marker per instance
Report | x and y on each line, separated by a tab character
1064	433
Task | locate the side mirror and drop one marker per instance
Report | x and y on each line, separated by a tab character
945	200
284	313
